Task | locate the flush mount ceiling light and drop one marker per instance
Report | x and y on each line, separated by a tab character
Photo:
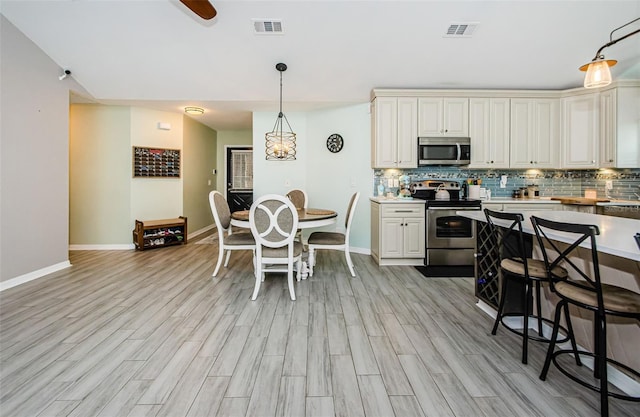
598	73
194	111
280	144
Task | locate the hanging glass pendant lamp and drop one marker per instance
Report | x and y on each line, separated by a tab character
280	144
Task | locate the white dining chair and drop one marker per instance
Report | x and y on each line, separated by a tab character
273	220
227	241
334	240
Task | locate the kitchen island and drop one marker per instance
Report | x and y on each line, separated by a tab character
619	258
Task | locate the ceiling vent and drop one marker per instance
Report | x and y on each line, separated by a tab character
461	29
267	26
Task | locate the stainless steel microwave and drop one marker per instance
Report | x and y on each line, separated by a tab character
444	151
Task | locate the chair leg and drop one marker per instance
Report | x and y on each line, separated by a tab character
601	362
347	256
572	337
525	321
220	256
226	261
552	342
292	291
311	260
259	275
299	269
539	309
503	294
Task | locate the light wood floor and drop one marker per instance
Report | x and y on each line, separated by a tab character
151	333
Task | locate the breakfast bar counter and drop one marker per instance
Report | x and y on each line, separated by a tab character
619	258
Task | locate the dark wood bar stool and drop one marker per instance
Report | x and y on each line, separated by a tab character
515	265
586	292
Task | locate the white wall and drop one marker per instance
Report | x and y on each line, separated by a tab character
329	179
34	160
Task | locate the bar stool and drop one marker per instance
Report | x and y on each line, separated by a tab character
509	246
587	293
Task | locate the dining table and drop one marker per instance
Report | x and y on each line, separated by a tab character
308	218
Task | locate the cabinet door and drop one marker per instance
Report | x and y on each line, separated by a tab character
430	117
407	151
521	134
391	237
456	117
608	133
414	238
627	120
386	131
546	125
580	120
479	133
499	132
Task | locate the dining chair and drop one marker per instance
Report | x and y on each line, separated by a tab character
300	201
298	198
227	240
585	291
334	240
273	220
515	265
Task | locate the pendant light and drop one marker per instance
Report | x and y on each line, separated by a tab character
598	73
280	144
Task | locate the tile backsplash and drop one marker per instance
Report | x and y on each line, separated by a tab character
625	182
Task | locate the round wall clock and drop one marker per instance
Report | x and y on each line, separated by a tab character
335	143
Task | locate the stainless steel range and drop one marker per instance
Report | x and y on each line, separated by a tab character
450	239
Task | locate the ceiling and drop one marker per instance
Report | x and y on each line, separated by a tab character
158	54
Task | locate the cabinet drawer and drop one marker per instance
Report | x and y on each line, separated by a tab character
402	210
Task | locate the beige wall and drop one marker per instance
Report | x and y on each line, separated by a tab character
100	175
34	160
155	198
229	138
199	161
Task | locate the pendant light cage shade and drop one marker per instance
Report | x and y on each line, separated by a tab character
280	143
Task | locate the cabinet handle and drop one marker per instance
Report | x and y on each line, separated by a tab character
531	162
610	160
403	211
492	162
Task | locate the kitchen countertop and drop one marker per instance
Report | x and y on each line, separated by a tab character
616	233
501	200
396	200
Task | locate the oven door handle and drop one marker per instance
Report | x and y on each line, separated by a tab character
455	208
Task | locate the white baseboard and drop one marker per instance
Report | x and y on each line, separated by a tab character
616	377
200	231
22	279
363	251
117	246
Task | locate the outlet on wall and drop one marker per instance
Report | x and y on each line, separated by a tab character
608	185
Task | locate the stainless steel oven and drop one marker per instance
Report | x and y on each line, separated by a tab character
444	151
450	238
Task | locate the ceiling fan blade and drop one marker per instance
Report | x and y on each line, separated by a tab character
202	8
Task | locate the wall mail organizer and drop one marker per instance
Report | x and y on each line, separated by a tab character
156	162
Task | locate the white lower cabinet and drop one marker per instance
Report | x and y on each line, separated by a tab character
531	206
398	233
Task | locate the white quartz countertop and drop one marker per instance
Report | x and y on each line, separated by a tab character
616	233
501	200
396	200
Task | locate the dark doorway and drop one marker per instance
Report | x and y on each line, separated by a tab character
239	164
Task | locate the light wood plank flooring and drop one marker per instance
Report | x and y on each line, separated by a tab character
151	333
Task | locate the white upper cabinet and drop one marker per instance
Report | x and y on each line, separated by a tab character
394	132
580	131
489	132
443	117
535	133
620	127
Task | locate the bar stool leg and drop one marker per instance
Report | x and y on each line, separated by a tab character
552	342
539	308
503	297
572	338
525	321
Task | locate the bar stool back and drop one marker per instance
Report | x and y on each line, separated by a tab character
587	292
515	265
